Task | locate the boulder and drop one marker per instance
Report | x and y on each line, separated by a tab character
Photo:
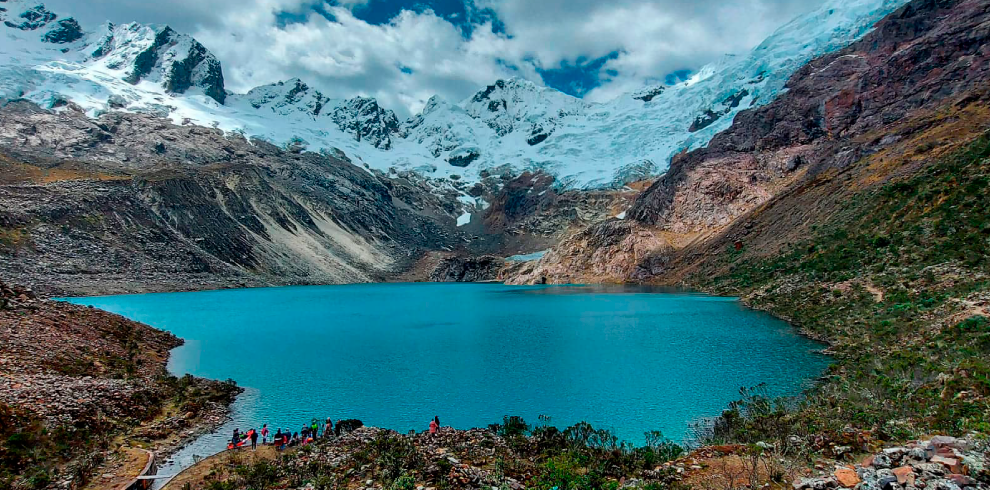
847	477
905	475
952	464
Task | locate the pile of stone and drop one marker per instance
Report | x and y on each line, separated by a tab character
62	400
941	463
16	297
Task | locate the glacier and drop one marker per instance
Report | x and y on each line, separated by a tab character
510	126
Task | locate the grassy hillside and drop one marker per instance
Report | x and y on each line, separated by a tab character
889	261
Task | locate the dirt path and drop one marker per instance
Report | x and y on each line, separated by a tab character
875	291
196	474
124	466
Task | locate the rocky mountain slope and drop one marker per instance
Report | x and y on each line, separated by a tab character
511	124
854	206
130	202
838	110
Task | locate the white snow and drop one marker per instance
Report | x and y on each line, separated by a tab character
500	128
621	215
463	219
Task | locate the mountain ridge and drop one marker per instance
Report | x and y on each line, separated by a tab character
584	145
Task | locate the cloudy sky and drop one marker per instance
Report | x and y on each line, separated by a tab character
405	51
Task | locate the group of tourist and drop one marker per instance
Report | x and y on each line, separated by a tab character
281	439
306	435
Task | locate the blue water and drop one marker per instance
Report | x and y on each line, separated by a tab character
395	355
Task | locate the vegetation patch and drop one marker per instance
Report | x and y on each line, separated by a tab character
898	282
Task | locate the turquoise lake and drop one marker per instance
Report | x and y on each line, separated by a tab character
394	355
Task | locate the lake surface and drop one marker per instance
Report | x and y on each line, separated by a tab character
395	355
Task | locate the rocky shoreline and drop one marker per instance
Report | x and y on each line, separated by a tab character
80	386
371	458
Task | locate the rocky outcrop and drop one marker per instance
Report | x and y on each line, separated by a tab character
367	121
468	269
93	204
942	462
31	19
65	31
531	203
612	251
648	94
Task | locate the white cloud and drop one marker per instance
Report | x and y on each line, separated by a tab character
418	55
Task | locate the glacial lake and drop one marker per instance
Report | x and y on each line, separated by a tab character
629	359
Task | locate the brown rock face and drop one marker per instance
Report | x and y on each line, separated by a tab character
918	56
604	252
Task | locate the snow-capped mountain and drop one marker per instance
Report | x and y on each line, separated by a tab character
360	117
511	125
158	54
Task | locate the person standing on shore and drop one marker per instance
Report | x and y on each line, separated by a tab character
253	434
434	426
264	433
315	428
328	429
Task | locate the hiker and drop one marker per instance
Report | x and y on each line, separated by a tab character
437	420
253	434
316	428
434	426
328	429
264	434
277	440
237	437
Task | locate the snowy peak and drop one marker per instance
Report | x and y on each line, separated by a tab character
520	105
285	98
361	117
441	128
160	55
367	121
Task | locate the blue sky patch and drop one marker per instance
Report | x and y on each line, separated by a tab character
462	13
677	76
285	18
577	78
